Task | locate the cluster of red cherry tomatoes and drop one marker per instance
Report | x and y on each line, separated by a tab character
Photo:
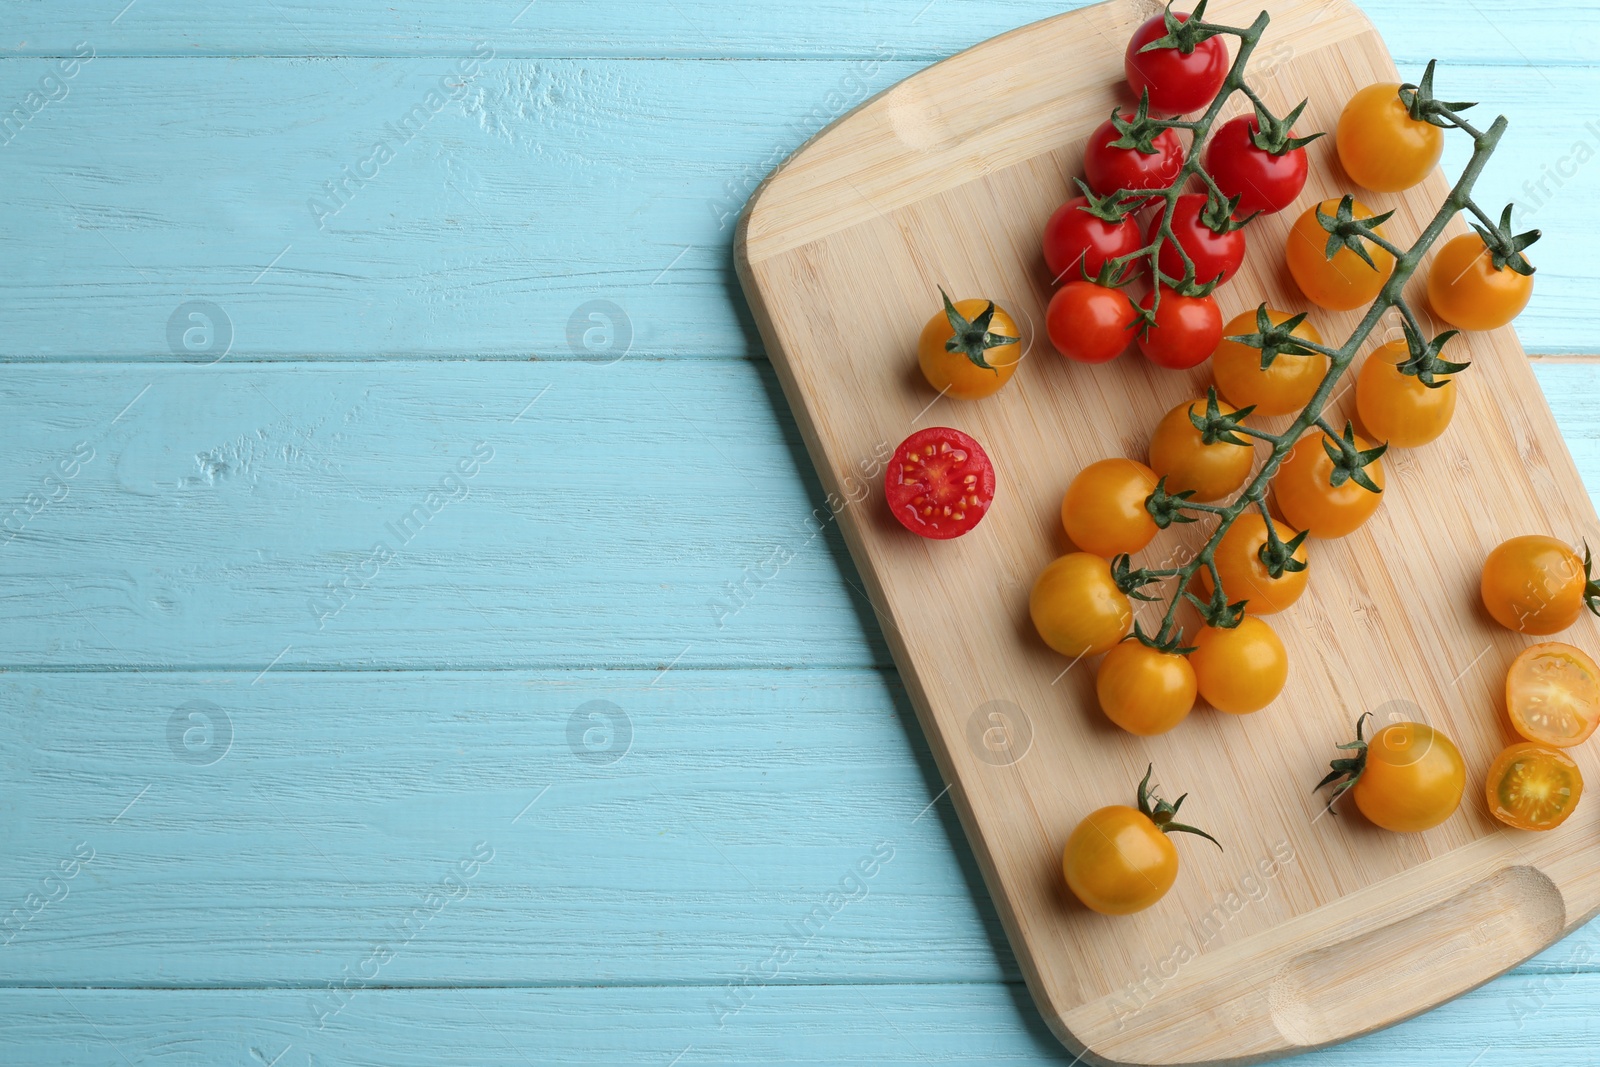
1134	227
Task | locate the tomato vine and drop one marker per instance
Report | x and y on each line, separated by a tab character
1345	230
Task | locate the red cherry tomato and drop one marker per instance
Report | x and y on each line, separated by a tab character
1262	181
1078	243
939	483
1089	323
1216	256
1177	83
1110	169
1186	332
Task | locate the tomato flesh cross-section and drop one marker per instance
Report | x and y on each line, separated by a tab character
1533	786
940	483
1553	694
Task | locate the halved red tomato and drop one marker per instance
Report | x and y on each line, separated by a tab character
940	483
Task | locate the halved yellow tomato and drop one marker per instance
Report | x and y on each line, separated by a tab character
1533	786
1553	694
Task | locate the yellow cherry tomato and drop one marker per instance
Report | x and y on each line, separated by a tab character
1078	608
1120	860
1242	669
1179	453
953	371
1400	408
1103	510
1308	498
1143	690
1553	694
1340	283
1536	585
1533	787
1408	777
1469	292
1381	146
1283	388
1244	573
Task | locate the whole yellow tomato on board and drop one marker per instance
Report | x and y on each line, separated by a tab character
1242	669
1246	575
1470	292
1077	606
1401	408
1145	690
1537	585
1408	777
1345	281
1283	388
1120	860
1103	510
1381	146
1308	498
1180	453
970	349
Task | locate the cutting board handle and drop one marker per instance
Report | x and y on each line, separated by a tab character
1334	974
1396	969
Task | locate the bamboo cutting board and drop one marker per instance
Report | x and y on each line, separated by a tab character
1308	929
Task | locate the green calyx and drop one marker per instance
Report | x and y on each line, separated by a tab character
973	339
1424	107
1348	768
1591	588
1349	462
1167	508
1505	247
1140	132
1347	231
1277	555
1113	207
1131	581
1275	339
1184	35
1113	273
1275	136
1171	645
1184	286
1217	612
1163	814
1217	215
1214	426
1425	361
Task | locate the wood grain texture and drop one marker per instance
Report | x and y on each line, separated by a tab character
737	801
1496	31
206	529
675	833
1521	1020
547	185
478	243
238	512
849	239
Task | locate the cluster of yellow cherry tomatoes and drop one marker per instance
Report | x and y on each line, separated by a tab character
1409	776
940	483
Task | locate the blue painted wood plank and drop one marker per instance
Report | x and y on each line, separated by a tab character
587	828
1486	31
505	217
303	516
414	516
199	829
1518	1020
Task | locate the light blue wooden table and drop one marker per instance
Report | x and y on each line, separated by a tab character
396	667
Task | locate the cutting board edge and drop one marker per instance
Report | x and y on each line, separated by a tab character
1068	1024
